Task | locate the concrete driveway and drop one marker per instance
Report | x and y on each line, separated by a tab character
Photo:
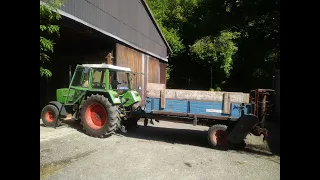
165	150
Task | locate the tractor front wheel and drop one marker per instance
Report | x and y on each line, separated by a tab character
49	116
98	116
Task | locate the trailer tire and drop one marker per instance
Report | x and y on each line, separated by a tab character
218	136
98	116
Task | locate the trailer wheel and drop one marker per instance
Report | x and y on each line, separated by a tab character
218	136
98	116
49	115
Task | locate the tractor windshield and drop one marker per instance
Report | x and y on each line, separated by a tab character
115	79
81	77
128	80
119	80
98	78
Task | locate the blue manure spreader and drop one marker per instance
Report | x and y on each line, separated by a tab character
231	116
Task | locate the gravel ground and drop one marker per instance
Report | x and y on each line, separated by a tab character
165	150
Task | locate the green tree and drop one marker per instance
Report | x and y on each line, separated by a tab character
48	18
217	53
237	40
258	57
171	15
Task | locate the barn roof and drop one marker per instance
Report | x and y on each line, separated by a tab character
128	21
156	24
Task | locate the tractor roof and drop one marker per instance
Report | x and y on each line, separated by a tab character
108	66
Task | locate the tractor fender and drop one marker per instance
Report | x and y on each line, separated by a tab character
242	128
61	108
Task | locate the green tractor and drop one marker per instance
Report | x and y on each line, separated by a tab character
95	99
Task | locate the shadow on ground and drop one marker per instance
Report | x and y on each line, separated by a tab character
69	123
188	137
73	124
273	138
194	137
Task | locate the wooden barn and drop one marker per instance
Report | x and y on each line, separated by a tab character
92	29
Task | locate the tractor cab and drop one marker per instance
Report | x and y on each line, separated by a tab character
99	95
106	79
102	77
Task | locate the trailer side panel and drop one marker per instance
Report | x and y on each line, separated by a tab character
186	107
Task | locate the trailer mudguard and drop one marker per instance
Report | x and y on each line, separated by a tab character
242	128
62	110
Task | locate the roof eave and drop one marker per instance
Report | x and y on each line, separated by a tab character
156	24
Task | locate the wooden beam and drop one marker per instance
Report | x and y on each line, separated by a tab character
163	99
226	103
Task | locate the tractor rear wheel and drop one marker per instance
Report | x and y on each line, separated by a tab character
98	116
49	116
218	136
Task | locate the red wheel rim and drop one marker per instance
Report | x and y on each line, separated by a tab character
220	137
96	116
50	116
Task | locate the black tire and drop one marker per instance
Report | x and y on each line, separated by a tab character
135	107
49	116
132	122
108	115
218	136
234	146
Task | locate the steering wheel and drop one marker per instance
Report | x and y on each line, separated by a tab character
97	84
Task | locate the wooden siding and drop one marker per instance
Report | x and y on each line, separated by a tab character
148	69
163	72
153	70
130	58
